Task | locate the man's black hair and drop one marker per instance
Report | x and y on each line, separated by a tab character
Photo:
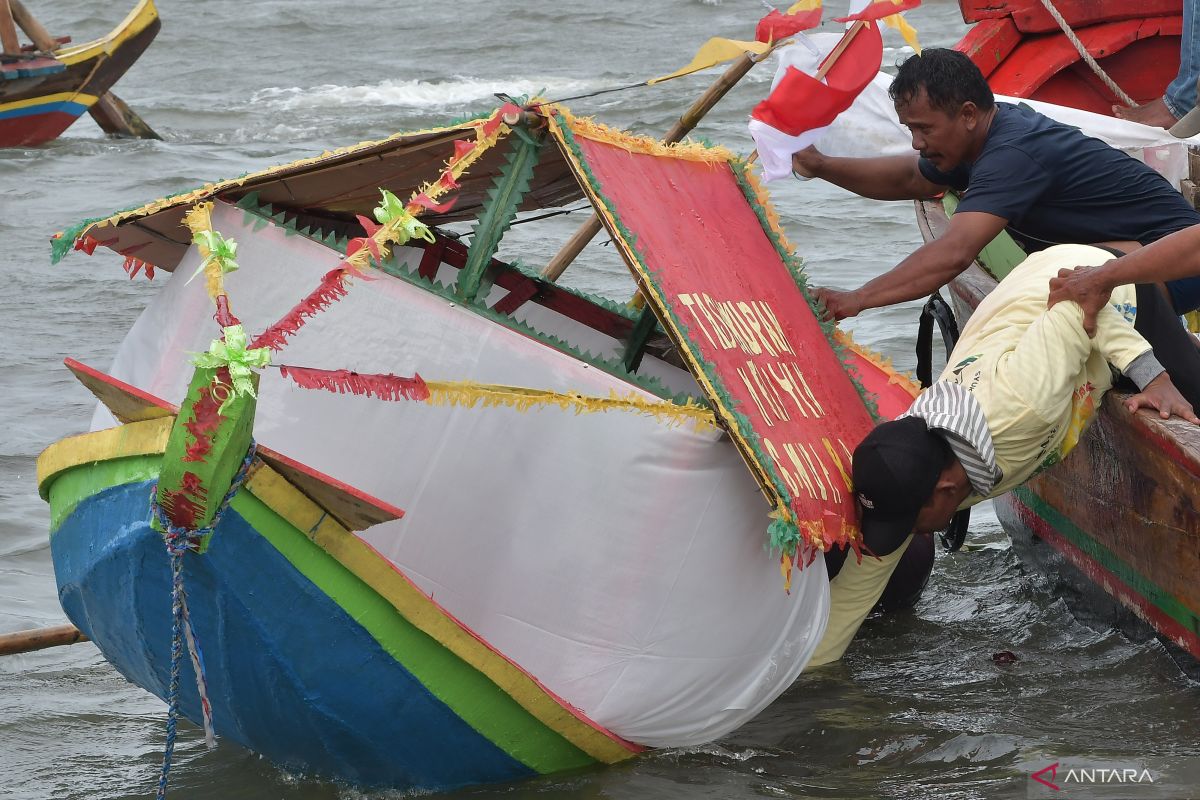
948	77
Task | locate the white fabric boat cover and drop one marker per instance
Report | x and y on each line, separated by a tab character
617	560
870	126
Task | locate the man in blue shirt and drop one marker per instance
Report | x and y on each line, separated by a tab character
1046	182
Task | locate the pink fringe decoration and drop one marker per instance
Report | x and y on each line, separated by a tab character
223	316
331	289
342	381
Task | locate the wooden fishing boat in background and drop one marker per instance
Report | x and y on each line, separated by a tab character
40	97
555	586
1023	52
1116	525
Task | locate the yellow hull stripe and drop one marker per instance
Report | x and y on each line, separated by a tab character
142	16
135	439
61	97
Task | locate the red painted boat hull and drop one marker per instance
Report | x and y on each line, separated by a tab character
1023	53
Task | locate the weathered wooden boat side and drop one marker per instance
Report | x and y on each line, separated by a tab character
1121	510
37	108
1023	53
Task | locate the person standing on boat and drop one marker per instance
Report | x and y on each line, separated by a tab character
1018	390
1045	182
1180	96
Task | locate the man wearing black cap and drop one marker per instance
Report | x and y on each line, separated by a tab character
1018	390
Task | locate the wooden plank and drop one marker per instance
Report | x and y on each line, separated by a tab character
1032	17
1038	60
989	42
354	509
1188	189
116	118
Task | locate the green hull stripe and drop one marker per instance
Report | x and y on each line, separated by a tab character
465	690
73	486
1001	255
1124	572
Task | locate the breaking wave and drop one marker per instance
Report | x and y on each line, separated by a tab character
458	91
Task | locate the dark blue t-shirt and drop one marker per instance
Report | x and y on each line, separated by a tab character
1056	185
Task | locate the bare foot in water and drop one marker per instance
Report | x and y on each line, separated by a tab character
1154	113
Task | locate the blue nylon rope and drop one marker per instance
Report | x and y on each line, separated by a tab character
180	540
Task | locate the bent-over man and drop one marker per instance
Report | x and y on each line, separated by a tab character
1018	390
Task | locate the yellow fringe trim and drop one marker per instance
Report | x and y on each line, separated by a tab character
813	531
199	220
633	143
210	190
470	394
394	232
763	197
904	379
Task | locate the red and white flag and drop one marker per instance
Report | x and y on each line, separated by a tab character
799	17
800	107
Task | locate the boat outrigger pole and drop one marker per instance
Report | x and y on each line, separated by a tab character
690	118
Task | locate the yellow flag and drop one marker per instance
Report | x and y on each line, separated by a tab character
804	5
715	51
907	31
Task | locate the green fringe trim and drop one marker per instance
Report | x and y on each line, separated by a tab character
65	242
782	537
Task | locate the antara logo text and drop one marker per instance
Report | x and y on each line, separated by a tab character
1089	776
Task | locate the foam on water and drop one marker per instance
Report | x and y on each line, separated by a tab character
450	93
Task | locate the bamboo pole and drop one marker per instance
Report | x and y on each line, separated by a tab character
689	119
9	43
39	639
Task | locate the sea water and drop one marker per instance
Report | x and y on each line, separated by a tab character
917	709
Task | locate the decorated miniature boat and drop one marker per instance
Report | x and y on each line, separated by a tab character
568	560
1116	522
41	96
1023	50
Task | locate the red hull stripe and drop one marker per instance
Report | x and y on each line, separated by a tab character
1166	613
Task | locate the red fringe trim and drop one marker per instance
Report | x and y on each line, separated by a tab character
461	148
223	316
425	202
341	381
331	289
134	265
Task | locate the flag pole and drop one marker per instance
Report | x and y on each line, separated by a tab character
687	121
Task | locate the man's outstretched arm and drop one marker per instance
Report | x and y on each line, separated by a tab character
1170	258
930	267
882	178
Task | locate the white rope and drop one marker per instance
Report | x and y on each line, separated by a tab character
1086	56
